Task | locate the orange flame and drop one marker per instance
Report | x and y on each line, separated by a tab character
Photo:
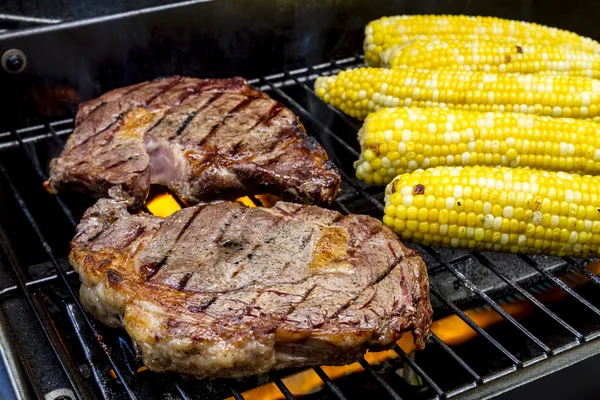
246	201
164	204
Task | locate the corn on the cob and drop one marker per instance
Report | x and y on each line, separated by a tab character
383	33
492	56
398	140
501	209
361	91
459	37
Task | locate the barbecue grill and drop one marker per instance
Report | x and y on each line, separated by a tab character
548	308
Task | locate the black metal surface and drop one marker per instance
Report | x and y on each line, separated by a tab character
125	42
38	226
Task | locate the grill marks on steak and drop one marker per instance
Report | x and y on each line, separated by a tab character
204	139
221	290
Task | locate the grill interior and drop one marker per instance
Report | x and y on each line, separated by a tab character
65	349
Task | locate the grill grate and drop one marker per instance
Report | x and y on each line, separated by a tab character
10	22
498	358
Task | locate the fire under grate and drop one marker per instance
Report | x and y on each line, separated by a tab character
66	353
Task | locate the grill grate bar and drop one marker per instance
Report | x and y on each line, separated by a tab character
181	391
348	120
35	138
419	371
342	207
97	370
473	325
364	363
55	137
62	275
36	166
301	75
560	283
456	358
291	102
236	394
329	383
581	268
282	388
35	162
484	261
32	284
356	185
481	294
42	316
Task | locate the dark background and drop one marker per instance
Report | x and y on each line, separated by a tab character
210	39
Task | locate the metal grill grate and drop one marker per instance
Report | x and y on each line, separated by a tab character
553	336
9	22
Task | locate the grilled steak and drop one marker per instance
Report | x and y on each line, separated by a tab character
203	138
221	290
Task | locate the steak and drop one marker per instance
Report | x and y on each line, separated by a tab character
222	290
202	138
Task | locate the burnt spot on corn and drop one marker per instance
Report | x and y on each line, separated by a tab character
507	58
519	49
393	185
418	189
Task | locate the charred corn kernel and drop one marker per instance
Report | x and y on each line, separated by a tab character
465	90
514	139
385	32
522	225
492	56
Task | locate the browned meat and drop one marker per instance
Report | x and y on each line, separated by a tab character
221	290
203	138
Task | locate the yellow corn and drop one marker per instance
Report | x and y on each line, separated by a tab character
492	56
386	32
398	140
359	92
501	209
457	37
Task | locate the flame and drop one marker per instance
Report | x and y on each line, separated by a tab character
452	330
163	205
246	201
268	200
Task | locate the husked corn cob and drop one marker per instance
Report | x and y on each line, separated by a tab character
361	91
398	140
385	32
501	209
492	56
459	37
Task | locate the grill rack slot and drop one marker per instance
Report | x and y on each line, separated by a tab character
276	84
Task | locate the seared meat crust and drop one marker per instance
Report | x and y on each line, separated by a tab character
203	138
221	290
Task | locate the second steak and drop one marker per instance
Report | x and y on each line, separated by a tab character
220	290
203	138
